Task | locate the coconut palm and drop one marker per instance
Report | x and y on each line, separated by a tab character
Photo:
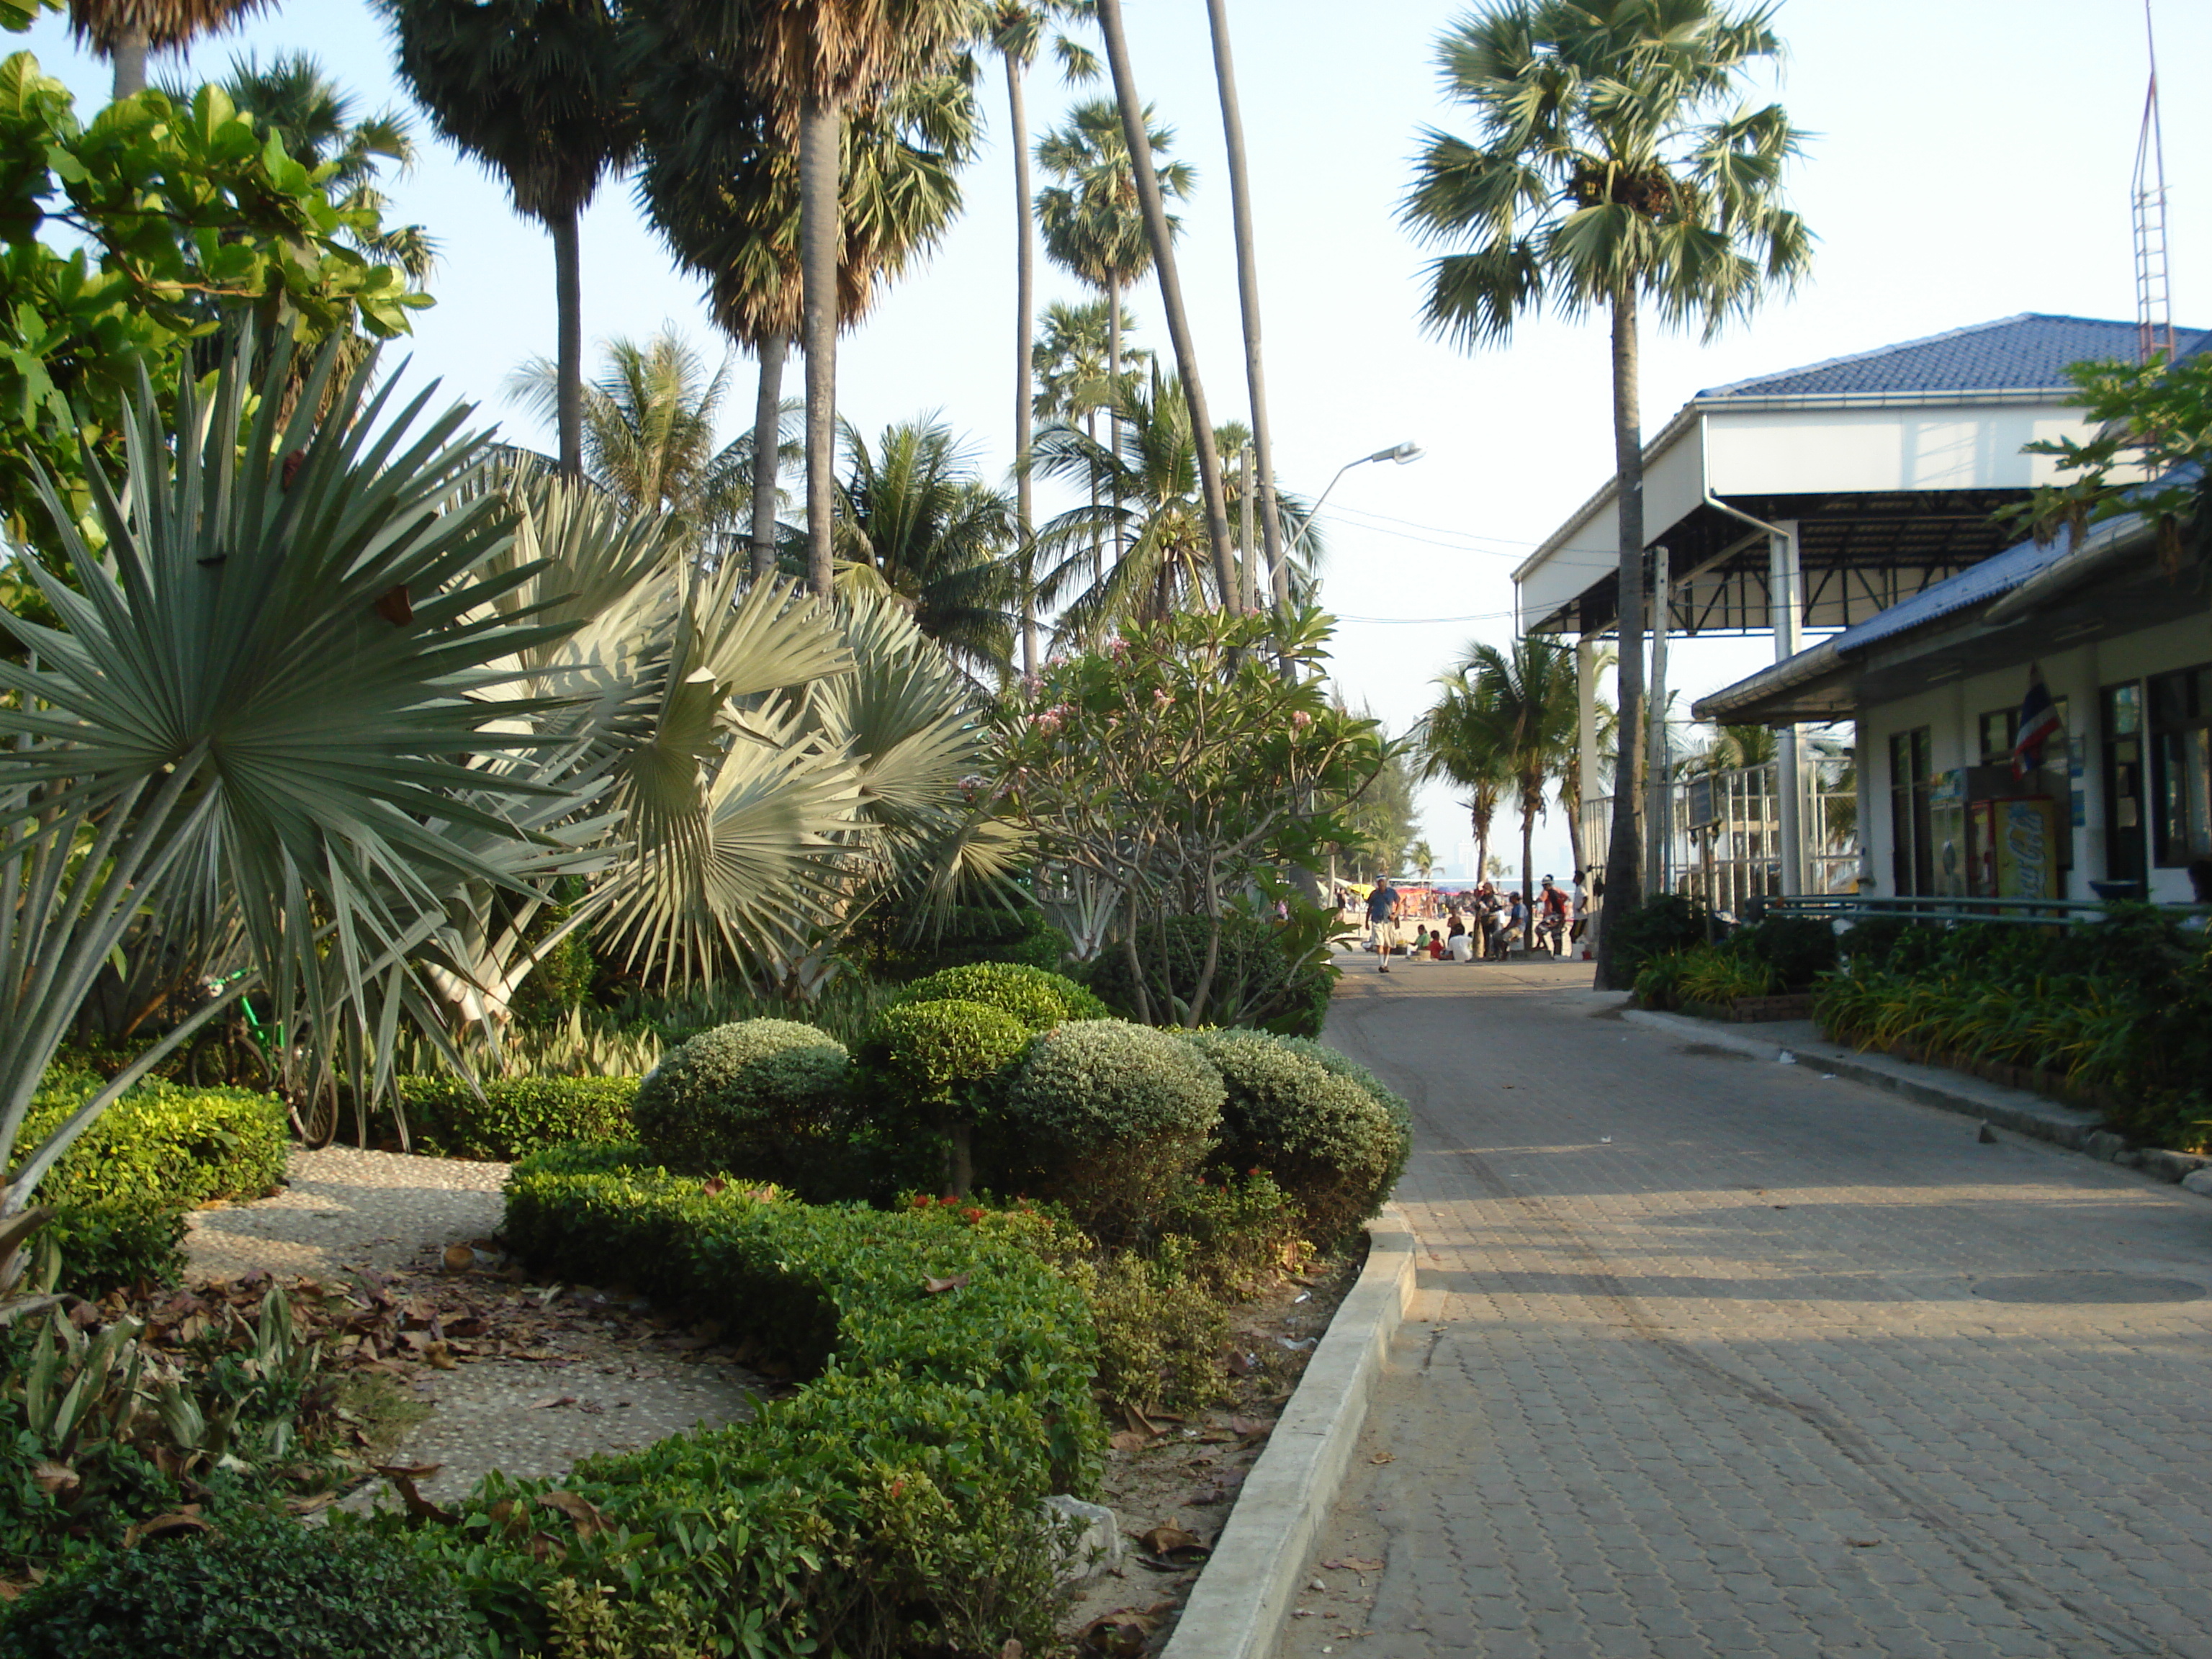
1017	30
316	120
534	90
1522	704
124	31
1248	294
1613	170
917	522
1146	500
1459	742
649	428
720	180
1160	234
1092	225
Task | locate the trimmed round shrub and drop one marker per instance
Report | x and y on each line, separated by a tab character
1109	1117
764	1098
1039	1001
1339	1064
1323	1138
945	1053
258	1586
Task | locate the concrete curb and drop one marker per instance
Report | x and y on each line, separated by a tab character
1237	1608
2015	1109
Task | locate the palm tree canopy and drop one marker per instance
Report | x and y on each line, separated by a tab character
917	520
1070	357
166	24
533	88
1601	168
1089	219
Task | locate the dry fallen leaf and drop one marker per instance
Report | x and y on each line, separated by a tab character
1384	1457
1128	1440
938	1286
550	1401
163	1526
1117	1635
1168	1541
589	1521
459	1258
53	1478
1353	1564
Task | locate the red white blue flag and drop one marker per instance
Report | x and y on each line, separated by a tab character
2039	723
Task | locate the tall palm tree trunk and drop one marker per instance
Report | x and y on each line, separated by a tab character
1529	808
1114	409
1248	296
568	340
1162	242
1624	884
820	136
130	60
1017	127
768	442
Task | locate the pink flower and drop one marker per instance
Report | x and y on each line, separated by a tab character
1300	718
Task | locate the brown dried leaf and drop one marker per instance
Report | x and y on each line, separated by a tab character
1135	1417
418	1507
163	1526
1128	1440
440	1356
938	1286
459	1258
1353	1564
1117	1635
589	1521
53	1478
1384	1457
1170	1542
550	1401
714	1185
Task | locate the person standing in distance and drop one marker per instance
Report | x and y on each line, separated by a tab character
1383	915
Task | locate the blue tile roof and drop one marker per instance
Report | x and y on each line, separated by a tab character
2029	352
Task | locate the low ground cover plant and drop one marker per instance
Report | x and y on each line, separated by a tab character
506	1118
1779	955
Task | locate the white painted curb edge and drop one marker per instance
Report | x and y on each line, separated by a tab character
1237	1608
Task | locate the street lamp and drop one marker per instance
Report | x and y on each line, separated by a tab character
1401	453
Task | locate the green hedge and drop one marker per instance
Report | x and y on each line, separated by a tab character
516	1116
120	1193
891	1506
1039	999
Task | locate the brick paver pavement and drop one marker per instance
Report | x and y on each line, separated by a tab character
1714	1356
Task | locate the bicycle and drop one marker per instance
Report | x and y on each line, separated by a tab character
242	1053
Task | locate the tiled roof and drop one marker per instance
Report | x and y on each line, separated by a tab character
2029	352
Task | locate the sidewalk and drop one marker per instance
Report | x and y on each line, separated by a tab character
1712	1355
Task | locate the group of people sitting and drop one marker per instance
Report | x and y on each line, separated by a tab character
1486	931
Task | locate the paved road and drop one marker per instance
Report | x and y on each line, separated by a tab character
1715	1357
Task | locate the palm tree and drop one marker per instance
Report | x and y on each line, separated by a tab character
917	521
1602	181
124	31
1072	359
1458	741
1523	703
1017	28
1423	860
1135	132
314	119
649	421
1093	226
1145	496
1248	294
534	90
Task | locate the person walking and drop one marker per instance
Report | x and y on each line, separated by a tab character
1552	913
1382	916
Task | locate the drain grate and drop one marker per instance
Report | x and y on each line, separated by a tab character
2085	1286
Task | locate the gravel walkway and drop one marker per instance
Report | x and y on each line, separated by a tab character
393	1214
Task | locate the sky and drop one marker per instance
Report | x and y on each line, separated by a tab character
1969	159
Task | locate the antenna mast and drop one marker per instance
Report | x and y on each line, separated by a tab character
2153	280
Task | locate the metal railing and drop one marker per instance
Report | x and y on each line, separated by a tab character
1933	908
1723	834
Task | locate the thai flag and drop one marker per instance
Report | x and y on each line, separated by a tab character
2039	724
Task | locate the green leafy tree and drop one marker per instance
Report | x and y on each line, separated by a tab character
1179	771
124	243
535	90
1614	169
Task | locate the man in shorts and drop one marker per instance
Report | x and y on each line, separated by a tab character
1382	917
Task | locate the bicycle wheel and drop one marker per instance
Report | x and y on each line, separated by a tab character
208	1065
249	1068
316	1116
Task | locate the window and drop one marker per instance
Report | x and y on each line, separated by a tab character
2181	765
1911	835
2124	783
1999	728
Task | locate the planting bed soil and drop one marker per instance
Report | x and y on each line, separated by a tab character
1172	1481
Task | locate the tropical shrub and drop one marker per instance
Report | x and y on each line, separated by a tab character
515	1116
1717	974
1324	1140
1667	922
764	1098
968	933
1257	980
890	1505
1798	949
938	1065
1112	1117
248	1584
1039	999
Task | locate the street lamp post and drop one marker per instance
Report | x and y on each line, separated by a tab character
1401	453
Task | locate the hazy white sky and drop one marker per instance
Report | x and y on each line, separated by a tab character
1971	160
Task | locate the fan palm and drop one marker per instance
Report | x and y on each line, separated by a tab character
124	31
1071	361
917	521
262	716
1603	180
719	180
534	90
